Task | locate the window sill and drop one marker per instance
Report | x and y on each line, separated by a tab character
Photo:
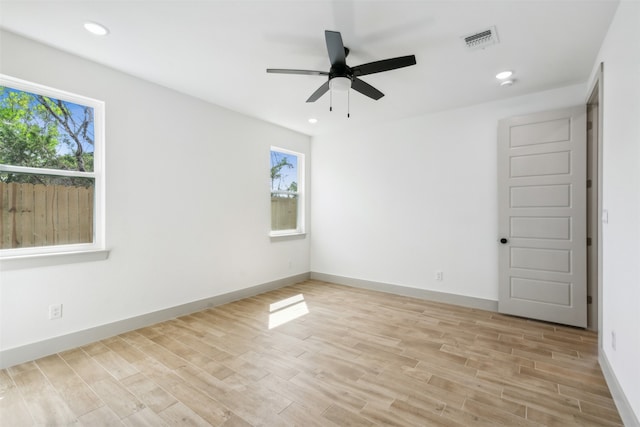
47	260
294	235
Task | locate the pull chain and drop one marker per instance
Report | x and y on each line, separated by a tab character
348	104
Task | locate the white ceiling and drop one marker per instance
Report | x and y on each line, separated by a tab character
219	50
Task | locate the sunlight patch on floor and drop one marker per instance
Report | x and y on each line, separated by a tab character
287	310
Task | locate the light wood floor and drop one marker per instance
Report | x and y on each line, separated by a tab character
356	358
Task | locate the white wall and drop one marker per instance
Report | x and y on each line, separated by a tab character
396	202
188	206
620	53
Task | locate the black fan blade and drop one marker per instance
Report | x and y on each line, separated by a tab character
319	92
335	47
305	72
384	65
366	89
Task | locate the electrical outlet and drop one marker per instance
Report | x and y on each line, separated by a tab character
439	276
55	311
613	340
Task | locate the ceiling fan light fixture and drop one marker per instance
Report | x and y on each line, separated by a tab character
340	84
96	29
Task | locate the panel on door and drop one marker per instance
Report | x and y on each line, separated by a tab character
542	216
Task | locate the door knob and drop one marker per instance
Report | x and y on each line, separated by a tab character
504	241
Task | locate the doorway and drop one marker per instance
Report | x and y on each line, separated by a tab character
550	257
594	205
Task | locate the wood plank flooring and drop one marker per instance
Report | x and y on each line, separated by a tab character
335	356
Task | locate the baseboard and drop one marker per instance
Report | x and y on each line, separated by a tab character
625	409
25	353
461	300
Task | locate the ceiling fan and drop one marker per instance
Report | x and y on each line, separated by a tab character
343	77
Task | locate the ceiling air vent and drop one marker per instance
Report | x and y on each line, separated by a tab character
481	39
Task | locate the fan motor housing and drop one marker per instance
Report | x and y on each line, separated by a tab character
340	71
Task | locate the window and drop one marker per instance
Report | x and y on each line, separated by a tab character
51	166
287	189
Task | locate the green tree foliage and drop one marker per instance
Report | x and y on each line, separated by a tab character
277	164
24	139
41	132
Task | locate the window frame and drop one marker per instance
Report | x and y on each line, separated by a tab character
300	223
97	174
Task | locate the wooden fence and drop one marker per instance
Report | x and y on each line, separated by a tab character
284	213
44	215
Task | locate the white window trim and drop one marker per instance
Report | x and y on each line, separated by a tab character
300	230
98	245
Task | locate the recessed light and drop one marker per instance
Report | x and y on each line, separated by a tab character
504	75
96	29
506	83
313	121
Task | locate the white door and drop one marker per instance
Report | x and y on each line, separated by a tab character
542	216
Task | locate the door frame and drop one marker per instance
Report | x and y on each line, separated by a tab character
595	98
